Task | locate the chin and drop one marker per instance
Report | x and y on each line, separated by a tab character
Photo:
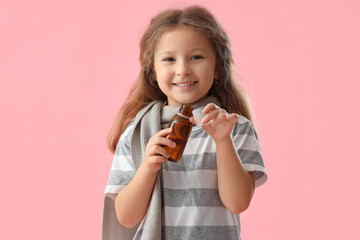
190	101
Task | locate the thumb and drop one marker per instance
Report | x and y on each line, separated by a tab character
192	120
233	117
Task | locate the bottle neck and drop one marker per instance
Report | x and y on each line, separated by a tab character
183	116
185	111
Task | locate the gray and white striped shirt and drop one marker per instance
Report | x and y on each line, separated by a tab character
192	208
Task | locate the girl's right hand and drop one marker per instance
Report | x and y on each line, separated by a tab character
155	153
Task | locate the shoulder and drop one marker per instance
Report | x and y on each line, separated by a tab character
129	128
243	120
244	127
243	124
125	137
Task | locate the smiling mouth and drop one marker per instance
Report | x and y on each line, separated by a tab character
184	84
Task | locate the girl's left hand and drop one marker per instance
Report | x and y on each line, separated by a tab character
221	124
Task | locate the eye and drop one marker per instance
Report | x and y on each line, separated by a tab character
169	59
197	57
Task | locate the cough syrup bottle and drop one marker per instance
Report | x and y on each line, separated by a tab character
181	130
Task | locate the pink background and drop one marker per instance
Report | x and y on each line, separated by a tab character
66	67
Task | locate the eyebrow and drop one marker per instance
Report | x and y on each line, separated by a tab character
192	50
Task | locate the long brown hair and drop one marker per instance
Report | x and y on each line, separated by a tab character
146	90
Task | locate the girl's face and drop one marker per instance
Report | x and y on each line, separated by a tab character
184	64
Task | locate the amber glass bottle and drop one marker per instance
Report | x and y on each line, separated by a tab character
181	130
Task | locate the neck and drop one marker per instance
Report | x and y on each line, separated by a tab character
167	111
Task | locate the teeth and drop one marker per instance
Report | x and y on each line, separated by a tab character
184	84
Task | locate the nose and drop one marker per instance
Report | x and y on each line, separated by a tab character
183	68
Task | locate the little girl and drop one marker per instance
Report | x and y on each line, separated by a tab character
186	59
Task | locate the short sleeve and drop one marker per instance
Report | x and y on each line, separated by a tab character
122	167
248	148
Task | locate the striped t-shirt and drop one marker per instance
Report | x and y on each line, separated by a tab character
192	208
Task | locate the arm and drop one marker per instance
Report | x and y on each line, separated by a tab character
236	185
132	201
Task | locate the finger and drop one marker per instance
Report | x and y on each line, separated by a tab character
154	140
212	115
233	117
160	142
167	142
163	133
156	151
209	107
161	151
157	159
221	117
192	120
